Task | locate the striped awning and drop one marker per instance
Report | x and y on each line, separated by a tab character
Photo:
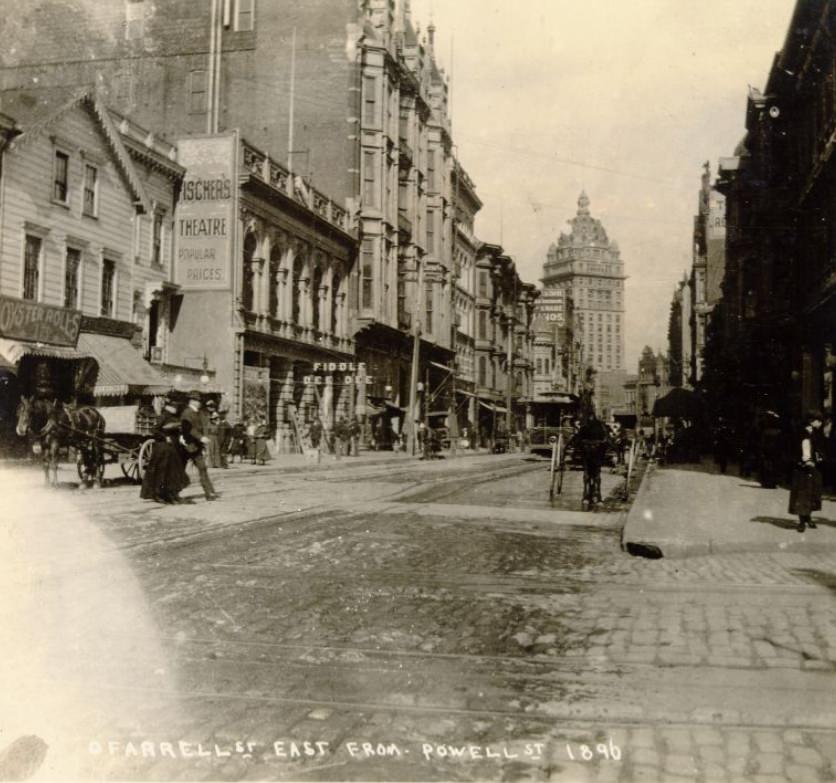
121	367
14	350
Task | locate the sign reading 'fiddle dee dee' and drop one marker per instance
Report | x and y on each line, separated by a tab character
38	323
204	222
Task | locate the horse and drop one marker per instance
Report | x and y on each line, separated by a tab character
55	426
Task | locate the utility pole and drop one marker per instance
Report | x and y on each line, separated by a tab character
454	412
413	372
509	386
292	101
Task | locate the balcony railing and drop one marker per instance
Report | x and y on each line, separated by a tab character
261	166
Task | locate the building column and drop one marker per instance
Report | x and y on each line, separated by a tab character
327	299
264	279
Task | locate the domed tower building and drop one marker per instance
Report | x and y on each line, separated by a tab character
584	267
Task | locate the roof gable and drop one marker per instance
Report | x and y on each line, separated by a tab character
39	116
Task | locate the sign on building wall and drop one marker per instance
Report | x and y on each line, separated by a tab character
40	323
204	226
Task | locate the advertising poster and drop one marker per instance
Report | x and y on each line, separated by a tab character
204	227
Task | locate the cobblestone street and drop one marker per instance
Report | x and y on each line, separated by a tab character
413	621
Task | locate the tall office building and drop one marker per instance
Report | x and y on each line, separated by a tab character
585	267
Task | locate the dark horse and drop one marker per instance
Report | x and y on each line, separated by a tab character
55	426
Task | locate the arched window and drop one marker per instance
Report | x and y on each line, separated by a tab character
298	266
275	263
250	244
335	302
316	285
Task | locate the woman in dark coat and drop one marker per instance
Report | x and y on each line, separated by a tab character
165	474
805	491
261	453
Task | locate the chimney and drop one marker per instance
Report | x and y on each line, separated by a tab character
431	35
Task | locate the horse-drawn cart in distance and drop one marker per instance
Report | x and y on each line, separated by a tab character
120	435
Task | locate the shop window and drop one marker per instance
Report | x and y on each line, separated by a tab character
198	92
134	19
275	263
296	306
71	274
137	309
431	231
91	190
61	190
316	296
483	283
244	15
31	267
247	293
108	284
370	104
429	307
157	240
335	303
366	272
370	191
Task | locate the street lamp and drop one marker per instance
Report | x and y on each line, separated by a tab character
204	363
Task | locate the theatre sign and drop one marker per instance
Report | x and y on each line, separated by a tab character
206	214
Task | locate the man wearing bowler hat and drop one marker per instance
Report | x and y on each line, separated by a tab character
195	439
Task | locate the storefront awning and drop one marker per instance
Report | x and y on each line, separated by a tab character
121	366
492	407
13	350
563	399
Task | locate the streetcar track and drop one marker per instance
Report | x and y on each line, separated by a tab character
413	577
601	668
175	695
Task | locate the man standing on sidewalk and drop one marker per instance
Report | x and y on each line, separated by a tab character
195	439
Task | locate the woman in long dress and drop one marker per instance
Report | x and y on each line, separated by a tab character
805	490
165	475
260	434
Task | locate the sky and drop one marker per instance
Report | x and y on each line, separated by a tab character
625	99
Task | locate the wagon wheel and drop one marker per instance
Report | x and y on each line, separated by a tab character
133	467
130	468
144	458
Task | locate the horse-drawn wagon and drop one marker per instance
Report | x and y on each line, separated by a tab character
128	440
93	437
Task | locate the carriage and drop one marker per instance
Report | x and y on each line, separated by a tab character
126	439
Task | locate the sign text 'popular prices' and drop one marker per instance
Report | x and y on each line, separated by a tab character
205	215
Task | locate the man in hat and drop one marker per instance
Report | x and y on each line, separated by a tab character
224	438
196	439
210	423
